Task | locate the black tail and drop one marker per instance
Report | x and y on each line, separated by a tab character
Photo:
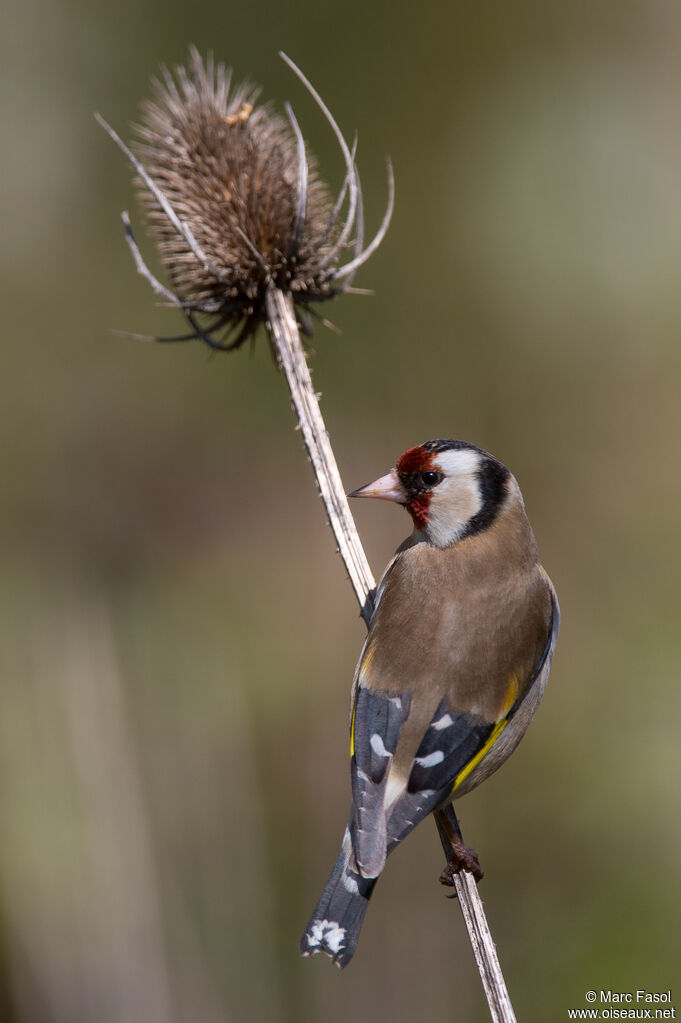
336	922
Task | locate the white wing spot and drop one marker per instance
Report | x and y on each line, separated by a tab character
444	722
431	760
378	746
396	701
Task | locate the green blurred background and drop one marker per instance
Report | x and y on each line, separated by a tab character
179	635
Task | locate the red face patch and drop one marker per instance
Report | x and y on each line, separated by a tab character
418	509
414	460
409	467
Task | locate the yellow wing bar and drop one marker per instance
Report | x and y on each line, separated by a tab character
494	735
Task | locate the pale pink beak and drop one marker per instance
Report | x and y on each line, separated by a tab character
388	488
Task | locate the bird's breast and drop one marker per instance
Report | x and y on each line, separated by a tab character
460	624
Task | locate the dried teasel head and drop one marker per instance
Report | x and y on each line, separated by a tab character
236	206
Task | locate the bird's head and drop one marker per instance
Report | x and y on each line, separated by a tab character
451	489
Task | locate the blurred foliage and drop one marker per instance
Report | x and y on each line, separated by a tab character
179	636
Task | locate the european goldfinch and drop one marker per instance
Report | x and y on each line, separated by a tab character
453	668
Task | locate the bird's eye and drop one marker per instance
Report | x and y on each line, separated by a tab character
431	478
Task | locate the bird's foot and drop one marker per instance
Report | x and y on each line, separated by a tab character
461	857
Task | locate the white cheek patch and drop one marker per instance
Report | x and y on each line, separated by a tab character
457	499
458	462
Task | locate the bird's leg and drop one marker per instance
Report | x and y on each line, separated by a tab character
459	856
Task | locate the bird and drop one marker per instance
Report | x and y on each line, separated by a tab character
454	665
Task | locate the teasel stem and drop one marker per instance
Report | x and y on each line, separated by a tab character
290	354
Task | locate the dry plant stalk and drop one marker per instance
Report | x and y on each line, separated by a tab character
249	235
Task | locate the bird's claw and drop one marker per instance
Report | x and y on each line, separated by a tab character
462	858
